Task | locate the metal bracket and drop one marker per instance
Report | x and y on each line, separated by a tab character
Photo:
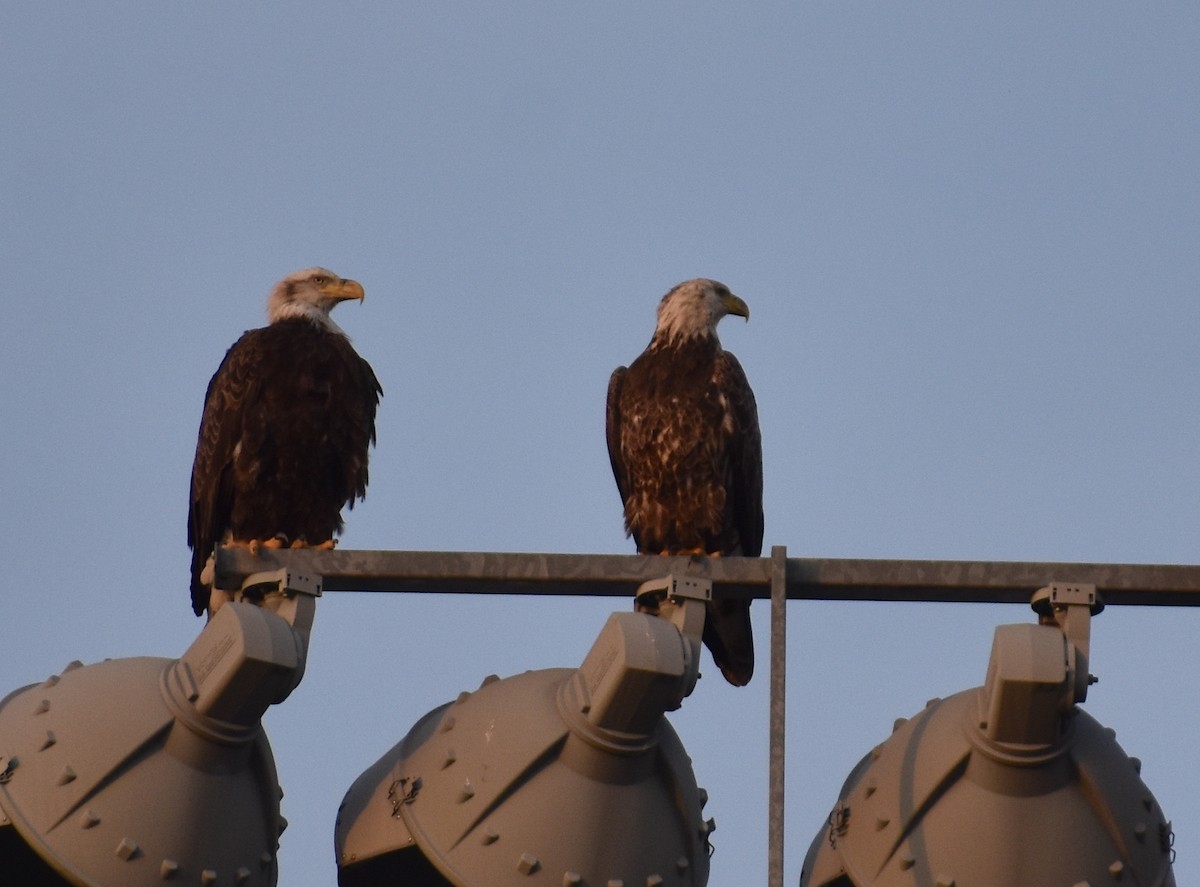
681	600
671	587
288	594
1070	606
283	581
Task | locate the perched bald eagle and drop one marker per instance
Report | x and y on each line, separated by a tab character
288	420
686	452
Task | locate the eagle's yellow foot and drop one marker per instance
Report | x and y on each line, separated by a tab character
301	543
327	545
256	545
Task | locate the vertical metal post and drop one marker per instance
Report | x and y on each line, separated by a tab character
778	713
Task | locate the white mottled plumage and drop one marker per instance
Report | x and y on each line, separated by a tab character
686	452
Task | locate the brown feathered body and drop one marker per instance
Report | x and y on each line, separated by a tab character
288	420
686	453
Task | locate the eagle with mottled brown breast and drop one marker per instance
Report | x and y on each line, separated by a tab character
686	452
288	421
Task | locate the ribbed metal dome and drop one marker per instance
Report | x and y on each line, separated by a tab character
118	774
1006	785
555	777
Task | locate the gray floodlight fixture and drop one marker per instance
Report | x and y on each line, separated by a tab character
562	777
1010	784
145	771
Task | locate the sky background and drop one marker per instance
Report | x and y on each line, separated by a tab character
968	235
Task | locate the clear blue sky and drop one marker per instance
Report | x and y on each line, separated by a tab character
968	235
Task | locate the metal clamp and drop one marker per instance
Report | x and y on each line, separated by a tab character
283	581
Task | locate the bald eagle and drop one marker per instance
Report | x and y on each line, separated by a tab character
288	420
686	452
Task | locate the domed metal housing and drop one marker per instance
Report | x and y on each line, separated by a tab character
147	771
556	777
1009	785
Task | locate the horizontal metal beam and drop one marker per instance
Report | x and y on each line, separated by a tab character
492	572
840	579
1006	582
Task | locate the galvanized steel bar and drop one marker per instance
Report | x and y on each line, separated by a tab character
775	836
494	572
987	581
843	579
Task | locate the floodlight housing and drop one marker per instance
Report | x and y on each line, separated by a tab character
557	777
141	771
1010	784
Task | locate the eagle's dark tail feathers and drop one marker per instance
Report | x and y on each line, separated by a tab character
728	636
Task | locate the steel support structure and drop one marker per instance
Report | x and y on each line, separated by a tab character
778	578
617	575
778	717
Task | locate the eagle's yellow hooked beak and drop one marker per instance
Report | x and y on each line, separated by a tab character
342	290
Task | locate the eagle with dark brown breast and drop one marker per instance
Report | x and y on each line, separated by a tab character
288	421
686	452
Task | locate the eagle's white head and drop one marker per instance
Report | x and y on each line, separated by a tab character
311	294
694	308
